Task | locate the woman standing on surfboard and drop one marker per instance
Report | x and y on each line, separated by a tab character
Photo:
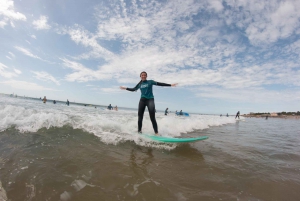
147	99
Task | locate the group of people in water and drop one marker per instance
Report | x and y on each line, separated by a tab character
236	116
176	113
112	108
54	101
68	103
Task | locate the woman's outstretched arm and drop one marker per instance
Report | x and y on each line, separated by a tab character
128	89
131	89
166	85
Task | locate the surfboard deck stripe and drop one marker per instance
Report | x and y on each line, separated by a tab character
174	140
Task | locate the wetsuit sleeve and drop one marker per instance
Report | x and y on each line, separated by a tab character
131	89
161	84
134	89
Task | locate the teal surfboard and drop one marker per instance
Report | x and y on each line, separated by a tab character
183	114
174	140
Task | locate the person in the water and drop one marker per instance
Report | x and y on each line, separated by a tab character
237	115
147	99
109	107
166	111
44	99
68	102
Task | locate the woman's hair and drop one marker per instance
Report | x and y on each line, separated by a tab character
143	72
141	79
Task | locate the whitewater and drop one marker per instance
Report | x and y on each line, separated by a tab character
112	127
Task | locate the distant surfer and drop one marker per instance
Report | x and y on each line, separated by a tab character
166	111
116	108
220	115
237	115
68	102
227	115
54	102
147	99
180	113
109	107
267	117
44	99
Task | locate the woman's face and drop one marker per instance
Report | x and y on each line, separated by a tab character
143	76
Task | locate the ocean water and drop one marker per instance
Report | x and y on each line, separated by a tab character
56	152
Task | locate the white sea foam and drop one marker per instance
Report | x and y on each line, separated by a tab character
112	127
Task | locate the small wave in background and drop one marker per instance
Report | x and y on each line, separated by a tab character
112	127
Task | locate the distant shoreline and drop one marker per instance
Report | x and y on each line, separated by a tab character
280	116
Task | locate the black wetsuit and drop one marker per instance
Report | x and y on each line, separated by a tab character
147	99
237	115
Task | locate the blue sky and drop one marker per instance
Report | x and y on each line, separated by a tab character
226	55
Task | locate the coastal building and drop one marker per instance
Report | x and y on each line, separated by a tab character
274	114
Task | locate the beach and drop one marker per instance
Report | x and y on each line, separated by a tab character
276	117
56	152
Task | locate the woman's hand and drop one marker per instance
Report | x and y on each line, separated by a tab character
174	85
123	88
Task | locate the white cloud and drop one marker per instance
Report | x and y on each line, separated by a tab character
17	71
44	76
5	73
149	40
2	23
82	73
115	89
265	22
126	69
41	23
26	85
8	57
193	43
216	4
248	95
33	36
11	54
27	52
99	89
83	37
8	13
